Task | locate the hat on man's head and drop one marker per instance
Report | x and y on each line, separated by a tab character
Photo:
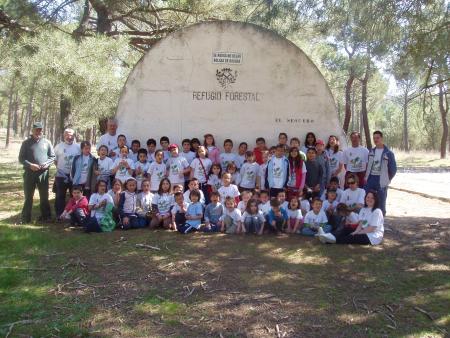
37	125
172	146
319	141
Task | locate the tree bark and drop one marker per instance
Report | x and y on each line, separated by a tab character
443	109
364	113
405	122
65	109
348	110
10	111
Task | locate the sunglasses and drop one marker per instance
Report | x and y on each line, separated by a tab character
351	182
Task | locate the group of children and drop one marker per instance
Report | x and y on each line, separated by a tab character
286	188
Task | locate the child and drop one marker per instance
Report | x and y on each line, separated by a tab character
151	148
215	178
245	197
316	220
277	217
187	153
144	201
134	153
227	189
115	191
177	166
310	142
213	213
141	167
200	169
233	170
330	204
213	152
295	143
164	143
249	173
83	170
253	218
157	171
305	196
314	173
227	156
123	166
179	211
161	204
282	140
104	166
334	185
349	220
242	150
195	143
263	170
353	196
295	221
277	172
259	150
232	218
121	142
281	196
193	215
128	207
264	200
324	161
100	206
297	173
193	185
177	188
77	208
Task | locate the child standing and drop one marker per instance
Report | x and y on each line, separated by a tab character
297	173
263	169
83	170
104	166
213	152
135	146
141	167
193	214
227	156
123	166
259	150
232	169
157	171
213	213
128	207
164	143
227	189
277	217
161	204
314	173
295	143
151	148
242	150
100	206
177	166
295	221
316	220
277	172
253	218
214	179
249	173
200	168
310	142
77	208
232	218
324	161
187	153
334	185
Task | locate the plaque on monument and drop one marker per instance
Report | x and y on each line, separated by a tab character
233	80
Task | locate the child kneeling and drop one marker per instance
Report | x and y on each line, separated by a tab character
231	218
213	213
77	208
253	218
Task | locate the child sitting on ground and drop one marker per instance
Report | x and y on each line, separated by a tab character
144	201
101	208
330	204
77	208
316	221
179	211
295	221
264	202
193	185
193	215
253	218
333	185
277	217
232	218
215	178
161	204
213	213
282	198
128	207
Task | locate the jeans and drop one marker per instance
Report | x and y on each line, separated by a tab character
308	231
279	224
61	188
373	183
135	222
253	224
32	179
77	217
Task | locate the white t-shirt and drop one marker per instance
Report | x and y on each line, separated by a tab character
187	198
262	176
339	193
199	170
96	199
145	200
122	174
249	172
294	214
352	218
242	206
335	159
312	219
292	177
285	205
176	208
227	158
277	172
143	168
305	205
373	218
189	156
111	142
376	165
157	172
230	191
84	169
133	156
240	160
326	204
235	215
65	154
353	197
356	159
105	166
164	202
259	214
264	207
214	181
175	166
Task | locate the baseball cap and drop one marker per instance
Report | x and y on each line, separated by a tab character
173	146
319	141
37	125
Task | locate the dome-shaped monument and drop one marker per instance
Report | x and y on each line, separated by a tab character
231	79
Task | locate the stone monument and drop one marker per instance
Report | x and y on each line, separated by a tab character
231	79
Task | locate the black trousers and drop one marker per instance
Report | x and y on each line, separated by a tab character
31	180
61	189
344	237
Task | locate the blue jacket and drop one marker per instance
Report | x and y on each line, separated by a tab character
388	166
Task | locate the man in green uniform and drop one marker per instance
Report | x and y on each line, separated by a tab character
36	155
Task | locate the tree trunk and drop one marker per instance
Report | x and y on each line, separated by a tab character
10	111
364	113
443	109
348	110
405	123
64	114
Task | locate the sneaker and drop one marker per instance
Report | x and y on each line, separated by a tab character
327	238
320	231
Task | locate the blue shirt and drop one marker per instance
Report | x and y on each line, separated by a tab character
194	209
271	215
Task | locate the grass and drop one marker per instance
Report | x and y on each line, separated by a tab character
59	281
421	159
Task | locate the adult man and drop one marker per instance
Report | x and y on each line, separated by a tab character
110	138
65	153
355	158
36	155
381	169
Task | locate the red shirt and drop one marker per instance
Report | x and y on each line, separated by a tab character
82	204
259	155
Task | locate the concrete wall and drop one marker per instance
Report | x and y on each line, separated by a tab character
231	79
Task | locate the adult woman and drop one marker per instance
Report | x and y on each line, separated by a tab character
335	157
370	228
